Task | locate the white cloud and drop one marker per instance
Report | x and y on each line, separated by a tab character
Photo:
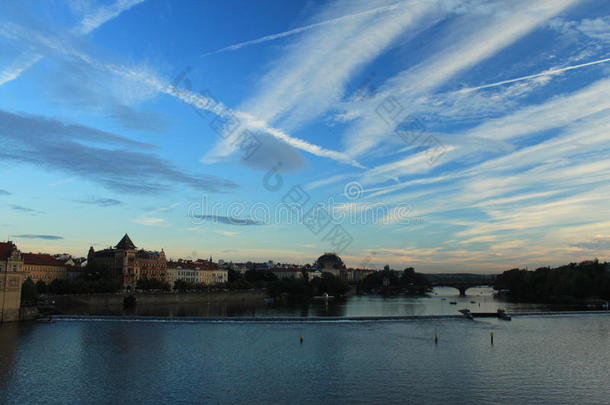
227	233
308	27
558	112
597	28
143	77
543	75
104	14
89	23
310	77
474	40
148	221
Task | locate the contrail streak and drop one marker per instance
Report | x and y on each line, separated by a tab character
88	24
295	31
545	73
197	100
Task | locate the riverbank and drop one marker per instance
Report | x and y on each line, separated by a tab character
333	319
95	303
252	303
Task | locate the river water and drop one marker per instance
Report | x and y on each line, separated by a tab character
554	359
437	303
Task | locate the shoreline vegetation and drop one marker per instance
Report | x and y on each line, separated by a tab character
576	283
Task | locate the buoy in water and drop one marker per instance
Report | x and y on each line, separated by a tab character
301	338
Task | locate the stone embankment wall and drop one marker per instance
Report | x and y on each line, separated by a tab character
63	302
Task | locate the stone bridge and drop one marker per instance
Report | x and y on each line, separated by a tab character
461	281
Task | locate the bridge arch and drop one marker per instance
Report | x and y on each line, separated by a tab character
462	287
460	281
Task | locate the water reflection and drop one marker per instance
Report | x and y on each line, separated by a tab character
441	301
9	334
535	359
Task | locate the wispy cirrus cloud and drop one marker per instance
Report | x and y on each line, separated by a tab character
227	233
4	192
150	221
116	162
308	27
546	73
506	23
33	236
100	201
599	243
103	14
165	208
150	84
596	28
310	78
524	123
90	22
25	210
227	220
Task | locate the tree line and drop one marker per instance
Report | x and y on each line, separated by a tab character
574	282
305	288
389	281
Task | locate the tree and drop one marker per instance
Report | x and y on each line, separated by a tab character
329	284
234	275
239	284
152	284
183	286
60	287
259	275
565	284
29	292
41	287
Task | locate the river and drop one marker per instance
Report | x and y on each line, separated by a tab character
558	359
437	303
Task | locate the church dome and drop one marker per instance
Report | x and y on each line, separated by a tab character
330	261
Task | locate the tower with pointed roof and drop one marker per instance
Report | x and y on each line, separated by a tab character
125	244
126	263
125	257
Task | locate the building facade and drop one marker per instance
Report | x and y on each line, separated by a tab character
213	277
11	278
181	271
127	264
199	271
283	273
43	267
331	263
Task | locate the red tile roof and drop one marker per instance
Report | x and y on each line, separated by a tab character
6	248
198	265
40	260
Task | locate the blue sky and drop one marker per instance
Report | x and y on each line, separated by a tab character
449	135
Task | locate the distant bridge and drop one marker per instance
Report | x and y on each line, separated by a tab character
461	281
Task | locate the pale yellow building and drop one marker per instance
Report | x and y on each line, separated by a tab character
11	278
43	267
209	276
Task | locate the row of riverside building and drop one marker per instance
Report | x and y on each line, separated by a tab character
128	264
